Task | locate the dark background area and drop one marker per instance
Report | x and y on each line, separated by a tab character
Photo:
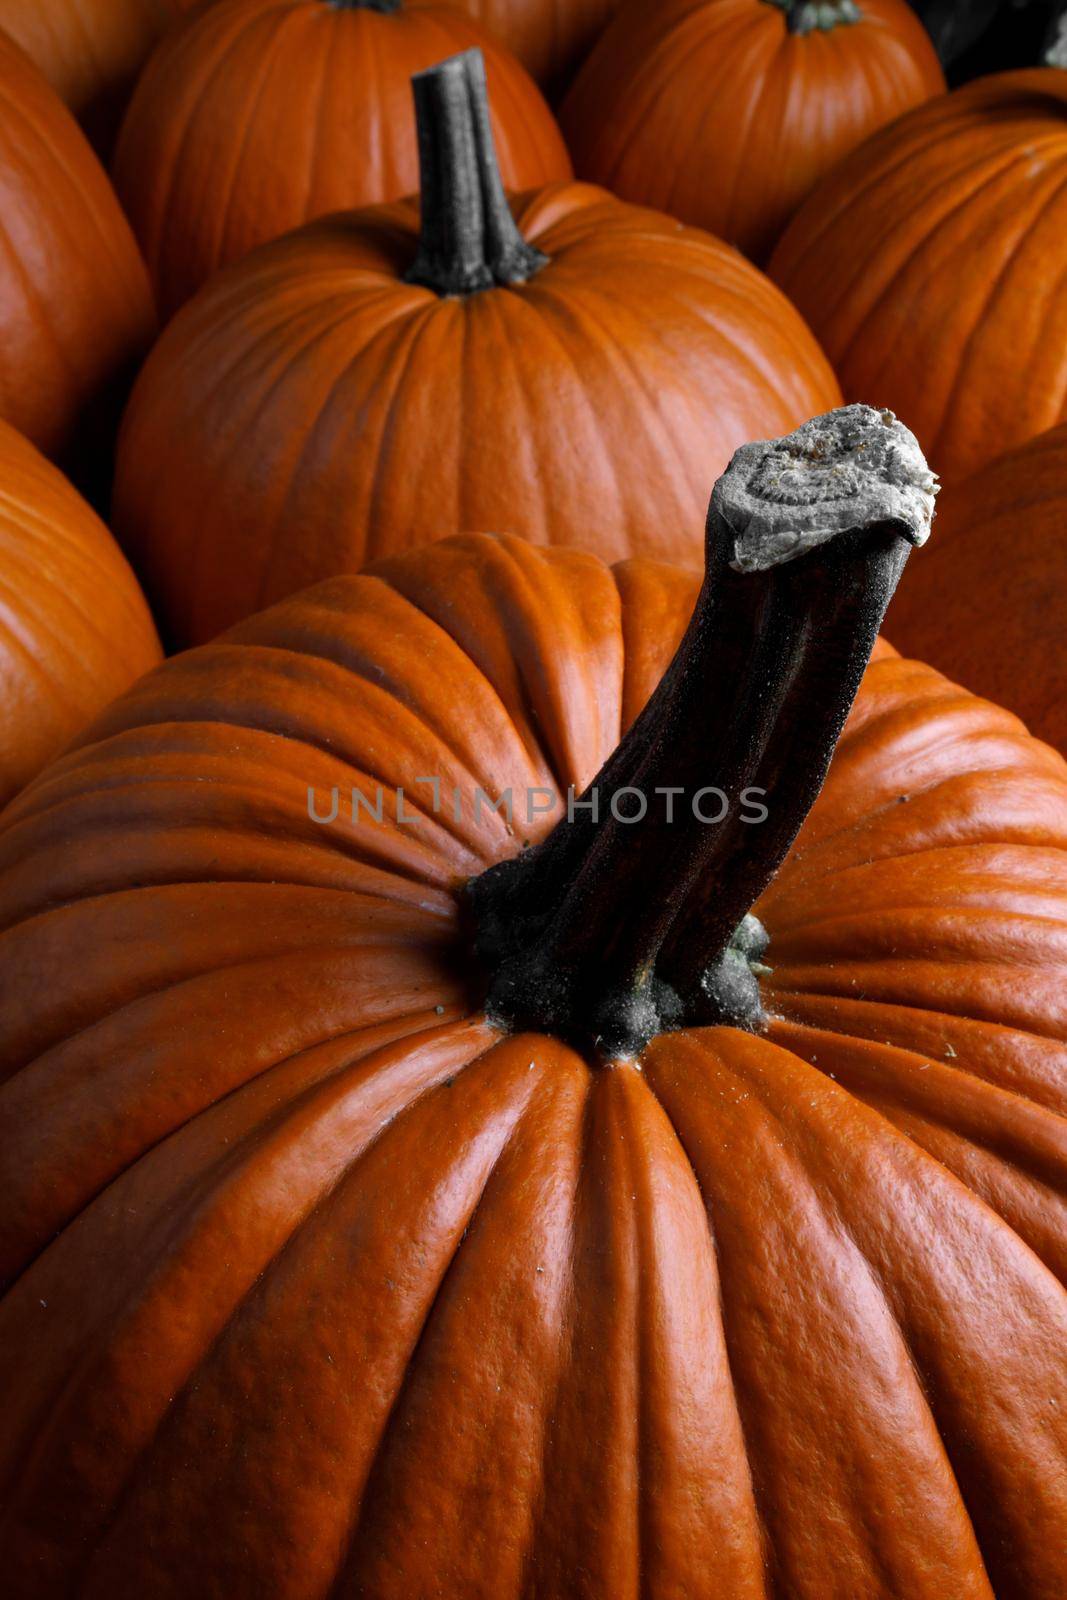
978	36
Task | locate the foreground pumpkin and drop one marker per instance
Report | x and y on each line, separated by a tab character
577	374
90	50
726	113
661	1249
75	307
74	628
930	264
261	115
989	605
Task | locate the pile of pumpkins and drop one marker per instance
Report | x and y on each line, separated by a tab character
487	1196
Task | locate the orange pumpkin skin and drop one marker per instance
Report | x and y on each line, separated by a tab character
90	50
714	111
263	114
929	265
392	1305
330	413
988	603
75	306
74	627
550	37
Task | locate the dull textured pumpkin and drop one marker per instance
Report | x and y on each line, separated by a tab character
402	1271
90	50
75	306
74	627
550	37
930	264
726	113
989	604
262	114
574	370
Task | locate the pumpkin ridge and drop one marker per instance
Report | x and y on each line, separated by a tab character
225	1348
901	265
398	338
147	997
993	289
443	818
382	672
210	1185
618	353
830	1213
1039	1147
922	1163
706	1202
342	1584
539	750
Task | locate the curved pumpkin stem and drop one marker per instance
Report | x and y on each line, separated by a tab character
468	238
615	929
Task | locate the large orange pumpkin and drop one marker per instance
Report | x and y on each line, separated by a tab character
931	264
356	386
989	605
75	306
726	113
262	114
74	627
550	37
323	1281
90	50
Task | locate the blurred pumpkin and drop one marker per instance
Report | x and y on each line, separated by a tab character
392	1294
577	374
75	305
91	50
550	37
726	113
989	605
74	627
262	114
931	264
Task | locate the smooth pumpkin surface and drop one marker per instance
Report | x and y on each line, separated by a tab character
930	264
75	306
988	603
74	628
262	114
715	111
90	50
550	37
389	1303
310	410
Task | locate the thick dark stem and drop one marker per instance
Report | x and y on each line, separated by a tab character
468	238
611	930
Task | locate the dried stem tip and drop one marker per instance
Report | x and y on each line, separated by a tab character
855	467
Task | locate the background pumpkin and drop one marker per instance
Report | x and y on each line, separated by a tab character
726	113
90	50
931	265
74	628
311	408
75	306
989	604
262	114
550	37
780	1312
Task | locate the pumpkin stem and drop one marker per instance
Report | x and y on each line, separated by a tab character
635	918
384	6
468	238
811	16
